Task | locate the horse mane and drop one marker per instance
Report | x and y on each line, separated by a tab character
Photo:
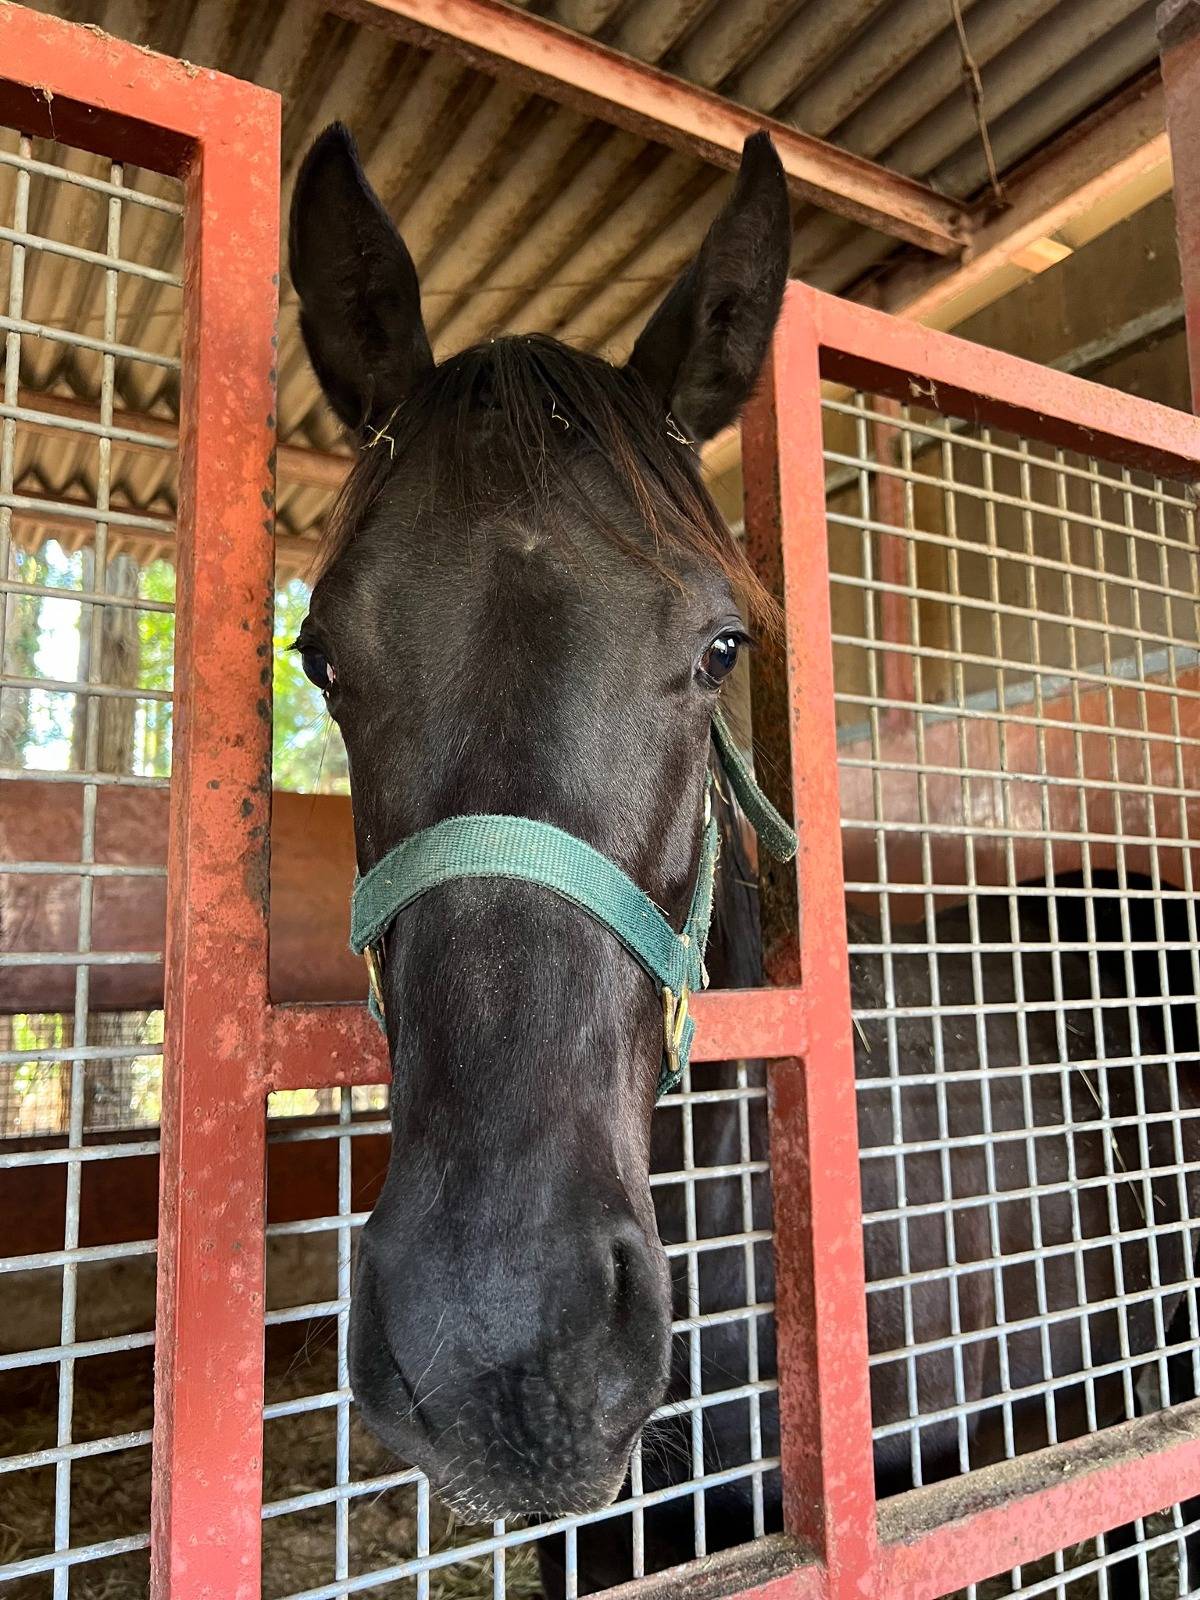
556	405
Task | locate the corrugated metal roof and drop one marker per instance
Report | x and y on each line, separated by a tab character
522	214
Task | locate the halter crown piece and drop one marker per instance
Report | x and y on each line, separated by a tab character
538	852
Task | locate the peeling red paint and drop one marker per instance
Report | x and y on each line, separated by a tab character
223	137
1181	83
825	1417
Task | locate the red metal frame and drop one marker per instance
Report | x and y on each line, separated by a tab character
209	1374
819	1294
927	1543
932	1541
222	137
1179	40
228	1046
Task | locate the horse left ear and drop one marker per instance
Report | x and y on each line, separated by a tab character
702	350
360	302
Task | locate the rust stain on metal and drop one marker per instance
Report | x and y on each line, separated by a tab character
828	1469
579	71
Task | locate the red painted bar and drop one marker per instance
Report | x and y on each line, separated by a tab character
940	1539
805	1582
760	1571
878	353
85	88
206	1522
828	1473
313	1047
1179	42
88	89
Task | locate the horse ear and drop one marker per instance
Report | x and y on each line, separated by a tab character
360	302
702	350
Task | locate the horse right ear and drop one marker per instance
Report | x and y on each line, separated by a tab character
360	302
701	352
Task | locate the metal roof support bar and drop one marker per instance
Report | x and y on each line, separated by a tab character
1179	42
573	70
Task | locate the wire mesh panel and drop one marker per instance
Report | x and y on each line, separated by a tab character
86	644
1015	632
342	1517
93	716
1001	801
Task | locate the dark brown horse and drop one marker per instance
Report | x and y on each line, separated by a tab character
527	605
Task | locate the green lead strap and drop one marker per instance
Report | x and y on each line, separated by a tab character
774	834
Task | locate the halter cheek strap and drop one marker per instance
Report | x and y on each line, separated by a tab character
523	849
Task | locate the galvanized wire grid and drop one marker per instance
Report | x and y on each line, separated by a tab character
1019	715
80	706
343	1518
1146	1560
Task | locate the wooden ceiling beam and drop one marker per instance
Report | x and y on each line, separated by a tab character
577	71
1106	166
1103	169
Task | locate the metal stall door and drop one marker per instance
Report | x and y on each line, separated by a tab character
89	232
991	572
68	96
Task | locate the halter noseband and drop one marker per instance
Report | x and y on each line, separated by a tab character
538	852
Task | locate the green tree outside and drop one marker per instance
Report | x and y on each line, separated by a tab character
308	754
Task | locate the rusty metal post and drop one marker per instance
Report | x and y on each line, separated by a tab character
1179	44
828	1475
103	95
208	1419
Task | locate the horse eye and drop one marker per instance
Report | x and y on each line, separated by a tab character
719	660
316	668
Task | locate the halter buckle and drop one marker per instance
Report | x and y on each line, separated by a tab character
675	1015
374	976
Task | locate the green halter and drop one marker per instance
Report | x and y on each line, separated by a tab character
538	852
